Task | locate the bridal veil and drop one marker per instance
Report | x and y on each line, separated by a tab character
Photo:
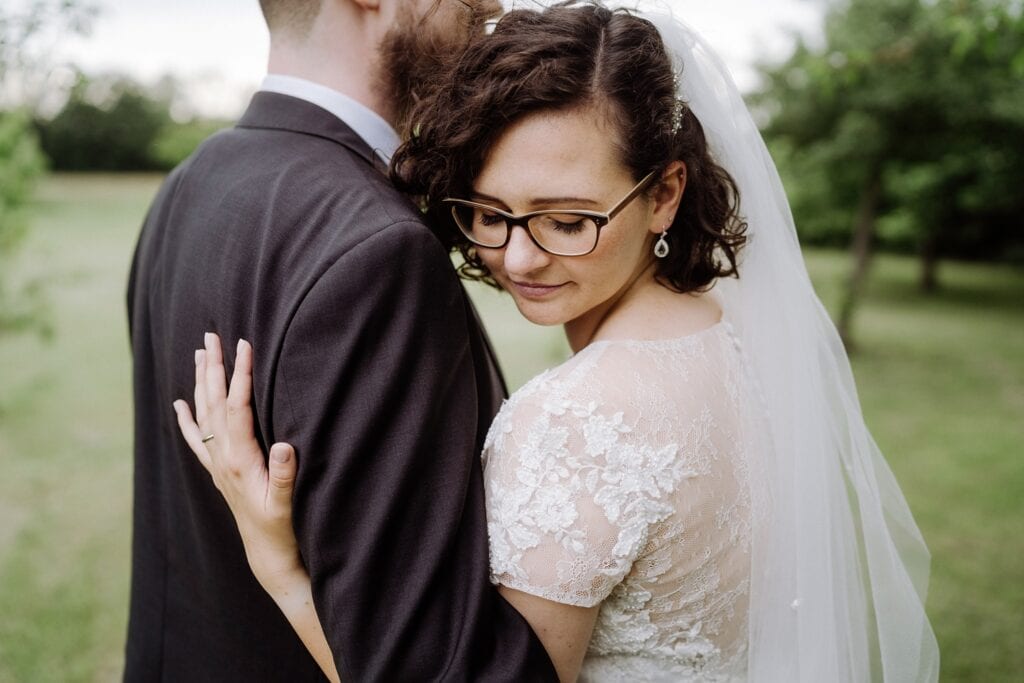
839	569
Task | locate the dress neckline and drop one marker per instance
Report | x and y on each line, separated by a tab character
722	325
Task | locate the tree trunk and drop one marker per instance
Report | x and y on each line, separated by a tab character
930	264
863	237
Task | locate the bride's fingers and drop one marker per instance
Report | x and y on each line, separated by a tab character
282	479
193	436
200	390
239	413
216	387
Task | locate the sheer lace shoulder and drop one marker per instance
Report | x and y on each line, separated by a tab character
620	478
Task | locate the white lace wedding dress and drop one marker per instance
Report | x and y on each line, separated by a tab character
623	478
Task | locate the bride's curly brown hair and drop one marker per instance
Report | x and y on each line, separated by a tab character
564	57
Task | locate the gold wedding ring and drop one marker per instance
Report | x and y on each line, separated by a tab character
208	437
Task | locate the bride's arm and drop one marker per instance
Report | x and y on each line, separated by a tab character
564	630
296	602
260	496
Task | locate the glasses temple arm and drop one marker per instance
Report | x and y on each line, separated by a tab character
632	194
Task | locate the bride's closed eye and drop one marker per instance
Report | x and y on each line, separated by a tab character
566	224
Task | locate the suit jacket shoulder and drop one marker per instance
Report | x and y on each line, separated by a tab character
286	232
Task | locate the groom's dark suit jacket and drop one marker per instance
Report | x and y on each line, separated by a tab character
370	360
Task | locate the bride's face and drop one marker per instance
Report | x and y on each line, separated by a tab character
565	160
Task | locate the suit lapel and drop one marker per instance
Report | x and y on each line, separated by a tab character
273	111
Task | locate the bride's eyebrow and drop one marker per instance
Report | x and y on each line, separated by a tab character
488	198
539	201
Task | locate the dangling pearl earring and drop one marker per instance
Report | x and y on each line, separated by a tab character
661	248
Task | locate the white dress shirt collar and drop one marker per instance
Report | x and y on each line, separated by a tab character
367	124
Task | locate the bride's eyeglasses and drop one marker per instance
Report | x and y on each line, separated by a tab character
562	232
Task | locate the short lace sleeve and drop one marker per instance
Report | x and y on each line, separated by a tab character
623	478
572	492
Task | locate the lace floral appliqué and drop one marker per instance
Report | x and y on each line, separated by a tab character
621	478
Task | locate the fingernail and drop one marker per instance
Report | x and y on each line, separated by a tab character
199	356
282	455
208	338
241	345
175	405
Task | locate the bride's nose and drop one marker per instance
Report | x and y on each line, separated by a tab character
522	255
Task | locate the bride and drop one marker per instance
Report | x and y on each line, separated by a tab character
693	496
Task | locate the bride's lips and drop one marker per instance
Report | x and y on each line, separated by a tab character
535	290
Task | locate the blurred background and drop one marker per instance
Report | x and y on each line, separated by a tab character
898	126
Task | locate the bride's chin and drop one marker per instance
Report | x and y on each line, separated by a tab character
539	313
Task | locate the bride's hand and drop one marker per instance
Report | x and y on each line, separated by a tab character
225	443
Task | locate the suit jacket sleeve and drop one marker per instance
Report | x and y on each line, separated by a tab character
375	387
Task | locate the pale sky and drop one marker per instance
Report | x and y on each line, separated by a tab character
219	47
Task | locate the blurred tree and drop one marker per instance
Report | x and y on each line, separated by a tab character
29	36
113	123
906	126
21	163
178	140
106	125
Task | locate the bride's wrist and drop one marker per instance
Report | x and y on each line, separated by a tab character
278	578
286	585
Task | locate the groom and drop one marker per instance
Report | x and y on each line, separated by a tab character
369	359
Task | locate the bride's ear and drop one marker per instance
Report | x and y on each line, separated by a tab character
668	193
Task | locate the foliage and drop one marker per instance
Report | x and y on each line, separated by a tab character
925	96
177	141
906	126
97	123
20	165
115	130
27	39
113	123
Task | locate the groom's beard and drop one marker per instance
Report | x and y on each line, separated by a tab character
416	55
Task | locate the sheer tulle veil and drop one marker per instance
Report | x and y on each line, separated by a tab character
840	570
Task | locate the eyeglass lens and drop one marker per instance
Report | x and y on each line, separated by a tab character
561	233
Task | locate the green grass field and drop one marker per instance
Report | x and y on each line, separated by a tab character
941	379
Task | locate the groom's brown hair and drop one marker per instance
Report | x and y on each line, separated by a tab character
294	16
